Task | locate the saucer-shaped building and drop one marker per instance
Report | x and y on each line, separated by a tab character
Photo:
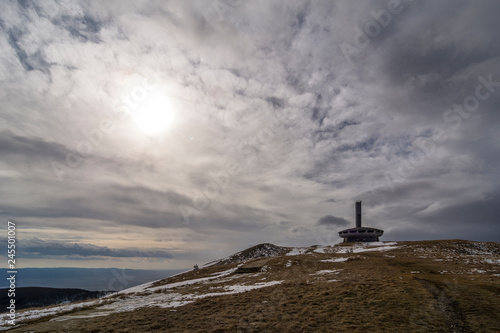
359	233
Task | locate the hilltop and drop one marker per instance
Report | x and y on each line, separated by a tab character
427	286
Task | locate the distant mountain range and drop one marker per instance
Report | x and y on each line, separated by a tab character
93	279
27	297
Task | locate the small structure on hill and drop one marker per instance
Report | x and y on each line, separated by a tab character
253	266
359	233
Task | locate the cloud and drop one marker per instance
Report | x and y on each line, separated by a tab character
30	148
482	212
37	248
333	220
271	120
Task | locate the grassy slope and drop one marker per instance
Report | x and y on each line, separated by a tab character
373	292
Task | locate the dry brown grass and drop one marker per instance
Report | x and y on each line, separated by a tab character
373	292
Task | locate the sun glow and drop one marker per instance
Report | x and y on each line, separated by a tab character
154	115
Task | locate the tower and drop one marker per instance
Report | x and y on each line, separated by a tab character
359	233
358	214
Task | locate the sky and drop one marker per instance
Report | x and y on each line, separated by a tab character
163	134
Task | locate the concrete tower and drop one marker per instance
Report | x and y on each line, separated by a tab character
359	233
358	214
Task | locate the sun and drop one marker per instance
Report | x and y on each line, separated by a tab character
154	115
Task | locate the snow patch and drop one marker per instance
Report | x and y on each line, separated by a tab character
492	261
39	313
327	271
369	247
335	260
68	317
136	289
380	248
297	250
188	282
234	289
320	249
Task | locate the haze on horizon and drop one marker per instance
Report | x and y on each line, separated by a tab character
160	134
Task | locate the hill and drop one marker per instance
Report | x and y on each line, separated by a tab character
428	286
27	297
257	251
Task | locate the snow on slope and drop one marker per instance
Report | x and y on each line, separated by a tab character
321	249
173	300
297	251
200	280
335	260
350	248
143	296
39	313
224	282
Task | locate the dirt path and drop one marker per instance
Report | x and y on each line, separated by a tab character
447	306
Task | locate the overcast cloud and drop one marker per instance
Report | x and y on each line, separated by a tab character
284	114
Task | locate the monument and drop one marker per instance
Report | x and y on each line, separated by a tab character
359	233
